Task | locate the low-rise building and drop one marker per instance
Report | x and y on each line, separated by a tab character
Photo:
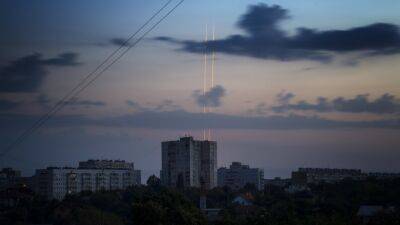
316	175
381	175
295	188
56	182
105	164
238	175
278	182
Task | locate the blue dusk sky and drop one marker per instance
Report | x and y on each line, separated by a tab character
304	83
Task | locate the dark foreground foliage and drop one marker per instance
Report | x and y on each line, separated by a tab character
323	204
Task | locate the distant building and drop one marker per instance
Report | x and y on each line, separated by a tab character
189	163
92	175
244	204
366	212
137	174
278	182
243	200
381	176
105	164
9	178
238	175
295	188
316	175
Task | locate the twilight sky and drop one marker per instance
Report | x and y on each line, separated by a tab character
297	83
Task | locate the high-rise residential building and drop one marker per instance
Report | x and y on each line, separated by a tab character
92	175
238	175
189	163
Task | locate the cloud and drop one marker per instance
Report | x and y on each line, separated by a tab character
378	37
86	103
46	102
187	120
43	100
165	105
211	98
26	74
7	105
259	109
284	97
64	59
120	42
385	104
265	39
132	103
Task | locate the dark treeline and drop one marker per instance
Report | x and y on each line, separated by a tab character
322	204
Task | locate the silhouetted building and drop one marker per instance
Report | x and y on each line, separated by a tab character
238	175
105	164
381	176
9	178
277	182
56	182
366	212
189	163
316	175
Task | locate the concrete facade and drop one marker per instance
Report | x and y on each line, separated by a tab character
55	182
238	175
305	176
189	163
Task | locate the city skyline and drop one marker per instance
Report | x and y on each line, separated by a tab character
310	84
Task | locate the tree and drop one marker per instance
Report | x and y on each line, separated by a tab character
153	181
148	213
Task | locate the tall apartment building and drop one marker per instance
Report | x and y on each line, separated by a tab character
238	175
189	163
316	175
92	175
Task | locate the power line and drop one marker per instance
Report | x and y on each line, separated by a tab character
63	101
71	96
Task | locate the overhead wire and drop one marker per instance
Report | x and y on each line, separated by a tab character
70	97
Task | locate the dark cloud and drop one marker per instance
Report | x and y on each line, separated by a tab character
211	98
64	59
26	74
8	105
135	105
46	102
165	105
187	120
259	109
43	100
85	103
377	37
265	39
385	104
120	42
284	97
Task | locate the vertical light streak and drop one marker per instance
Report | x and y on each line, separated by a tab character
205	76
213	59
212	73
